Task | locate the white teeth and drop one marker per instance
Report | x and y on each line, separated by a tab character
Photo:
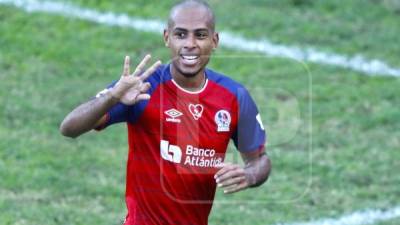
190	57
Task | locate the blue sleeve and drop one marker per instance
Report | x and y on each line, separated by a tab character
118	113
250	133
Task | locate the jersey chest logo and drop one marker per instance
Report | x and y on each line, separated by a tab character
173	115
196	110
223	120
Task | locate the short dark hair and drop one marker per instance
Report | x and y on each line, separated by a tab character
192	3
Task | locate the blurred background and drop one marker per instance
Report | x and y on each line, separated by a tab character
333	131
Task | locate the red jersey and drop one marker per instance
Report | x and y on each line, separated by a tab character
176	140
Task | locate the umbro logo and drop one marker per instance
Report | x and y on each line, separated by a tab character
173	115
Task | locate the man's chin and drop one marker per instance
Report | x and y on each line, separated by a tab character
189	73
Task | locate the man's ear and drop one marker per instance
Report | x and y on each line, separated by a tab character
215	40
166	38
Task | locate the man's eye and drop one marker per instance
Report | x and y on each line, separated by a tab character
202	35
180	35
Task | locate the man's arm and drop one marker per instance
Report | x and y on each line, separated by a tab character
130	89
233	178
87	116
257	167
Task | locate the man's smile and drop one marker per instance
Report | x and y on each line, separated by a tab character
190	59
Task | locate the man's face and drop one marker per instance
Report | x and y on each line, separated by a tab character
191	40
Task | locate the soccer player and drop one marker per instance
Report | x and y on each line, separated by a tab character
180	118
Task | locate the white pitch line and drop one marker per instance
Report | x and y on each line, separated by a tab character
228	39
365	217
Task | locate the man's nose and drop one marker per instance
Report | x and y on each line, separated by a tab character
190	42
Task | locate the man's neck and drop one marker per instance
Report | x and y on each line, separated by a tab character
194	83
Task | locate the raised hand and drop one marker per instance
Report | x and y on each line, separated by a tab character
131	88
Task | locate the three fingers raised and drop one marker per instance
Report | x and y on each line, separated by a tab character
126	66
141	65
150	70
140	68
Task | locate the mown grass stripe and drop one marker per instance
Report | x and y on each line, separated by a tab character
228	39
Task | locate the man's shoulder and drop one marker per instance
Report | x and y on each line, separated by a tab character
160	75
225	81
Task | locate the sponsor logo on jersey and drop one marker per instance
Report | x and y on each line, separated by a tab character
202	157
223	120
169	152
194	156
196	110
173	115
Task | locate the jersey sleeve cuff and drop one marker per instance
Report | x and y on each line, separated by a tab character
257	151
104	125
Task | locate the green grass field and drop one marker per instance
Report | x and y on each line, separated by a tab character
334	134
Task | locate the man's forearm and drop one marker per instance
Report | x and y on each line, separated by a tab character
258	170
84	117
